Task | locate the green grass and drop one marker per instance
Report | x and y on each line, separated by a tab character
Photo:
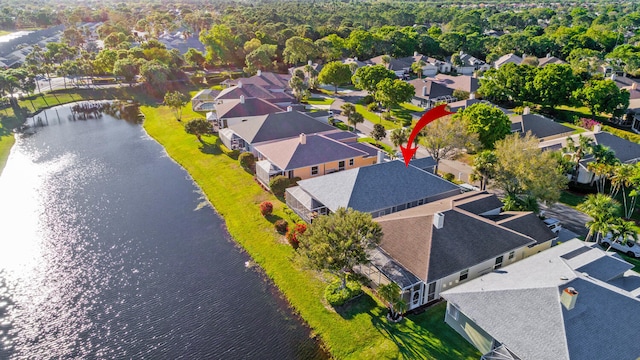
567	113
320	101
358	331
375	118
4	32
381	145
571	199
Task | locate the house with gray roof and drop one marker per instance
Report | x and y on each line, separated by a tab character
541	127
232	111
430	91
470	64
628	152
250	91
378	189
254	130
551	306
434	247
308	156
508	58
271	81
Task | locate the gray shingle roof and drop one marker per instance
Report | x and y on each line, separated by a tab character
253	91
539	126
376	187
480	204
318	149
530	225
520	306
251	107
280	125
625	150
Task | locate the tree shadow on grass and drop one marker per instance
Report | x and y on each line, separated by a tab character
362	304
211	148
425	336
272	218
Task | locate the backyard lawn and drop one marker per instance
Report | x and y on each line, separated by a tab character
320	101
357	331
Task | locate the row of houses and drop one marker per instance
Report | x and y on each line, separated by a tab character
439	242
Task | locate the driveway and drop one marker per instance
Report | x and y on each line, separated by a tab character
570	218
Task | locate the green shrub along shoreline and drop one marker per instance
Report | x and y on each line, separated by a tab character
356	330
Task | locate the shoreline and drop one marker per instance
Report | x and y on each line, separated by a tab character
356	332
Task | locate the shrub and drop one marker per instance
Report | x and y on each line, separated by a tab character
372	107
449	177
336	296
278	185
266	208
294	234
281	226
247	160
368	99
587	123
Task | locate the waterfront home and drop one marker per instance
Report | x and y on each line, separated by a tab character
268	80
233	111
552	305
252	91
204	100
379	189
434	247
308	156
253	130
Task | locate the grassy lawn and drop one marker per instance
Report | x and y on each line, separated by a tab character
320	101
375	118
358	330
566	113
381	145
570	198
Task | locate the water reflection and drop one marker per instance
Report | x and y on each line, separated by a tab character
107	252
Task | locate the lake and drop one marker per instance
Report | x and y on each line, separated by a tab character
109	250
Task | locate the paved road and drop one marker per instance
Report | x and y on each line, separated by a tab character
570	218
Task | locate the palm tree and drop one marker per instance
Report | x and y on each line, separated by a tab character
354	119
577	152
417	66
602	209
622	231
602	167
623	179
398	137
390	293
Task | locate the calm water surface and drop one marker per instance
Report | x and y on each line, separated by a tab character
108	250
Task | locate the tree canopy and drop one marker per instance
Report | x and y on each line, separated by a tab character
489	122
339	241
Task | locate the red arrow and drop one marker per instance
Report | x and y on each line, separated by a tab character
431	115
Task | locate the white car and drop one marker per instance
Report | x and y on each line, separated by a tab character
553	224
630	247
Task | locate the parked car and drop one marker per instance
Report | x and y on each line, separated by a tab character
630	247
553	224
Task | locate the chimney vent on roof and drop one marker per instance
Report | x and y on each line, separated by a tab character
569	297
634	86
438	220
240	84
472	96
303	138
415	53
380	157
259	73
424	91
526	110
597	128
289	109
241	99
309	62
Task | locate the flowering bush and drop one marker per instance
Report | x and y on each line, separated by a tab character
266	208
294	233
587	123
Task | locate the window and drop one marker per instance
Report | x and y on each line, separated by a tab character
340	165
431	294
314	170
350	162
464	274
453	311
511	255
498	264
